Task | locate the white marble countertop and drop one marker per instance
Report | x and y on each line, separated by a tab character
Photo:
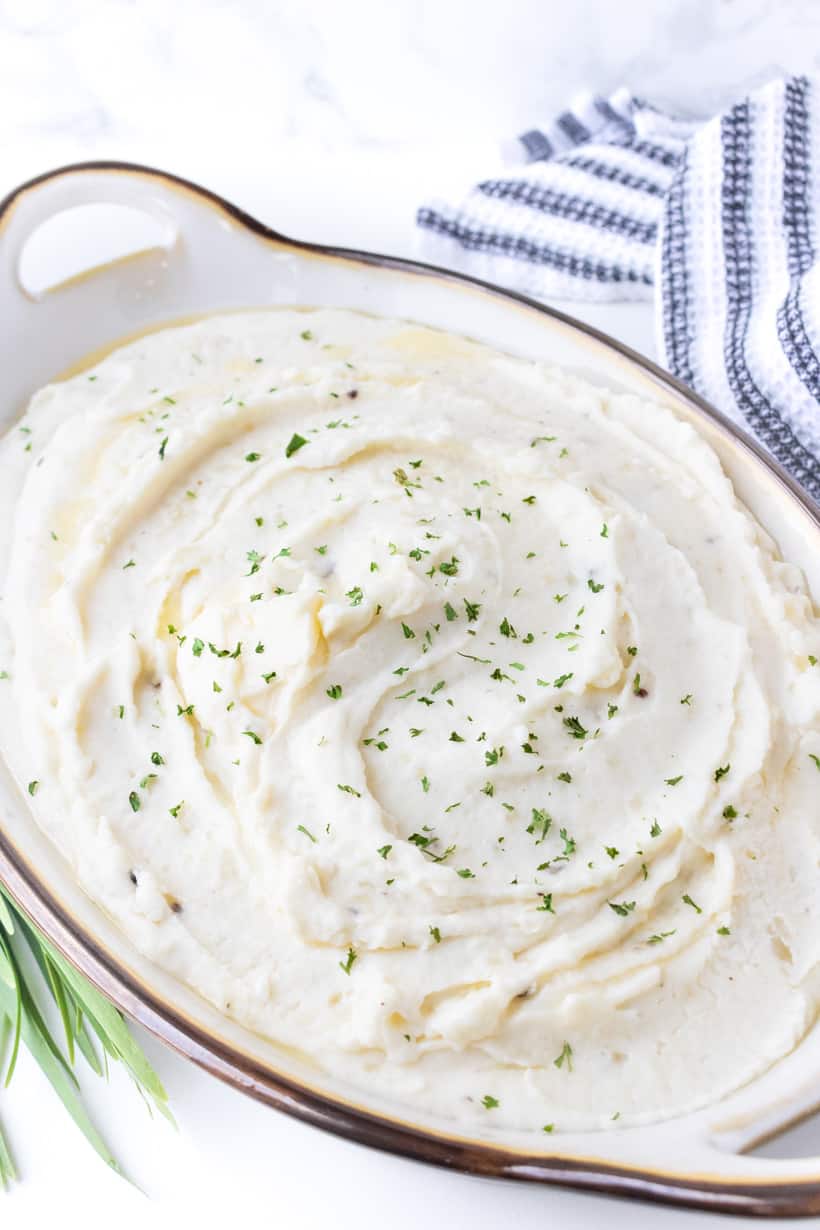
330	121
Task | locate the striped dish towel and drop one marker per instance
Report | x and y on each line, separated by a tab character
714	220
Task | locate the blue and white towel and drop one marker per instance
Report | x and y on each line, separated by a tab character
715	220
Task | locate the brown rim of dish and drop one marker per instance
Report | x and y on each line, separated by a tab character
764	1198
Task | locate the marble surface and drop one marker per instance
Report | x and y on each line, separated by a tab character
334	118
330	120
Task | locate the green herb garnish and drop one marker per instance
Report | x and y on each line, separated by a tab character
89	1020
564	1058
347	965
294	444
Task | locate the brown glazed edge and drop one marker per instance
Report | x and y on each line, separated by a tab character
790	1198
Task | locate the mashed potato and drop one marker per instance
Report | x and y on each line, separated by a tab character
430	711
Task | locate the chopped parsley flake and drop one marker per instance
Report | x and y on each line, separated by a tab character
347	965
659	937
542	820
564	1058
575	728
569	843
294	444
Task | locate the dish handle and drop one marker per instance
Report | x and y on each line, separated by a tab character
40	200
202	242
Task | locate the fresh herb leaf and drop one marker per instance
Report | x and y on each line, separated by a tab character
347	965
564	1058
623	908
575	728
88	1019
294	444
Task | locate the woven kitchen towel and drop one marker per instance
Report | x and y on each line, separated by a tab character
715	220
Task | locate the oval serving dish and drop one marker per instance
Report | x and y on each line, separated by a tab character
217	259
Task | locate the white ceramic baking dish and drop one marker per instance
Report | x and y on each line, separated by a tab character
216	258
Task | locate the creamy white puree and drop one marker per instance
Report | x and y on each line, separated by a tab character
467	749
